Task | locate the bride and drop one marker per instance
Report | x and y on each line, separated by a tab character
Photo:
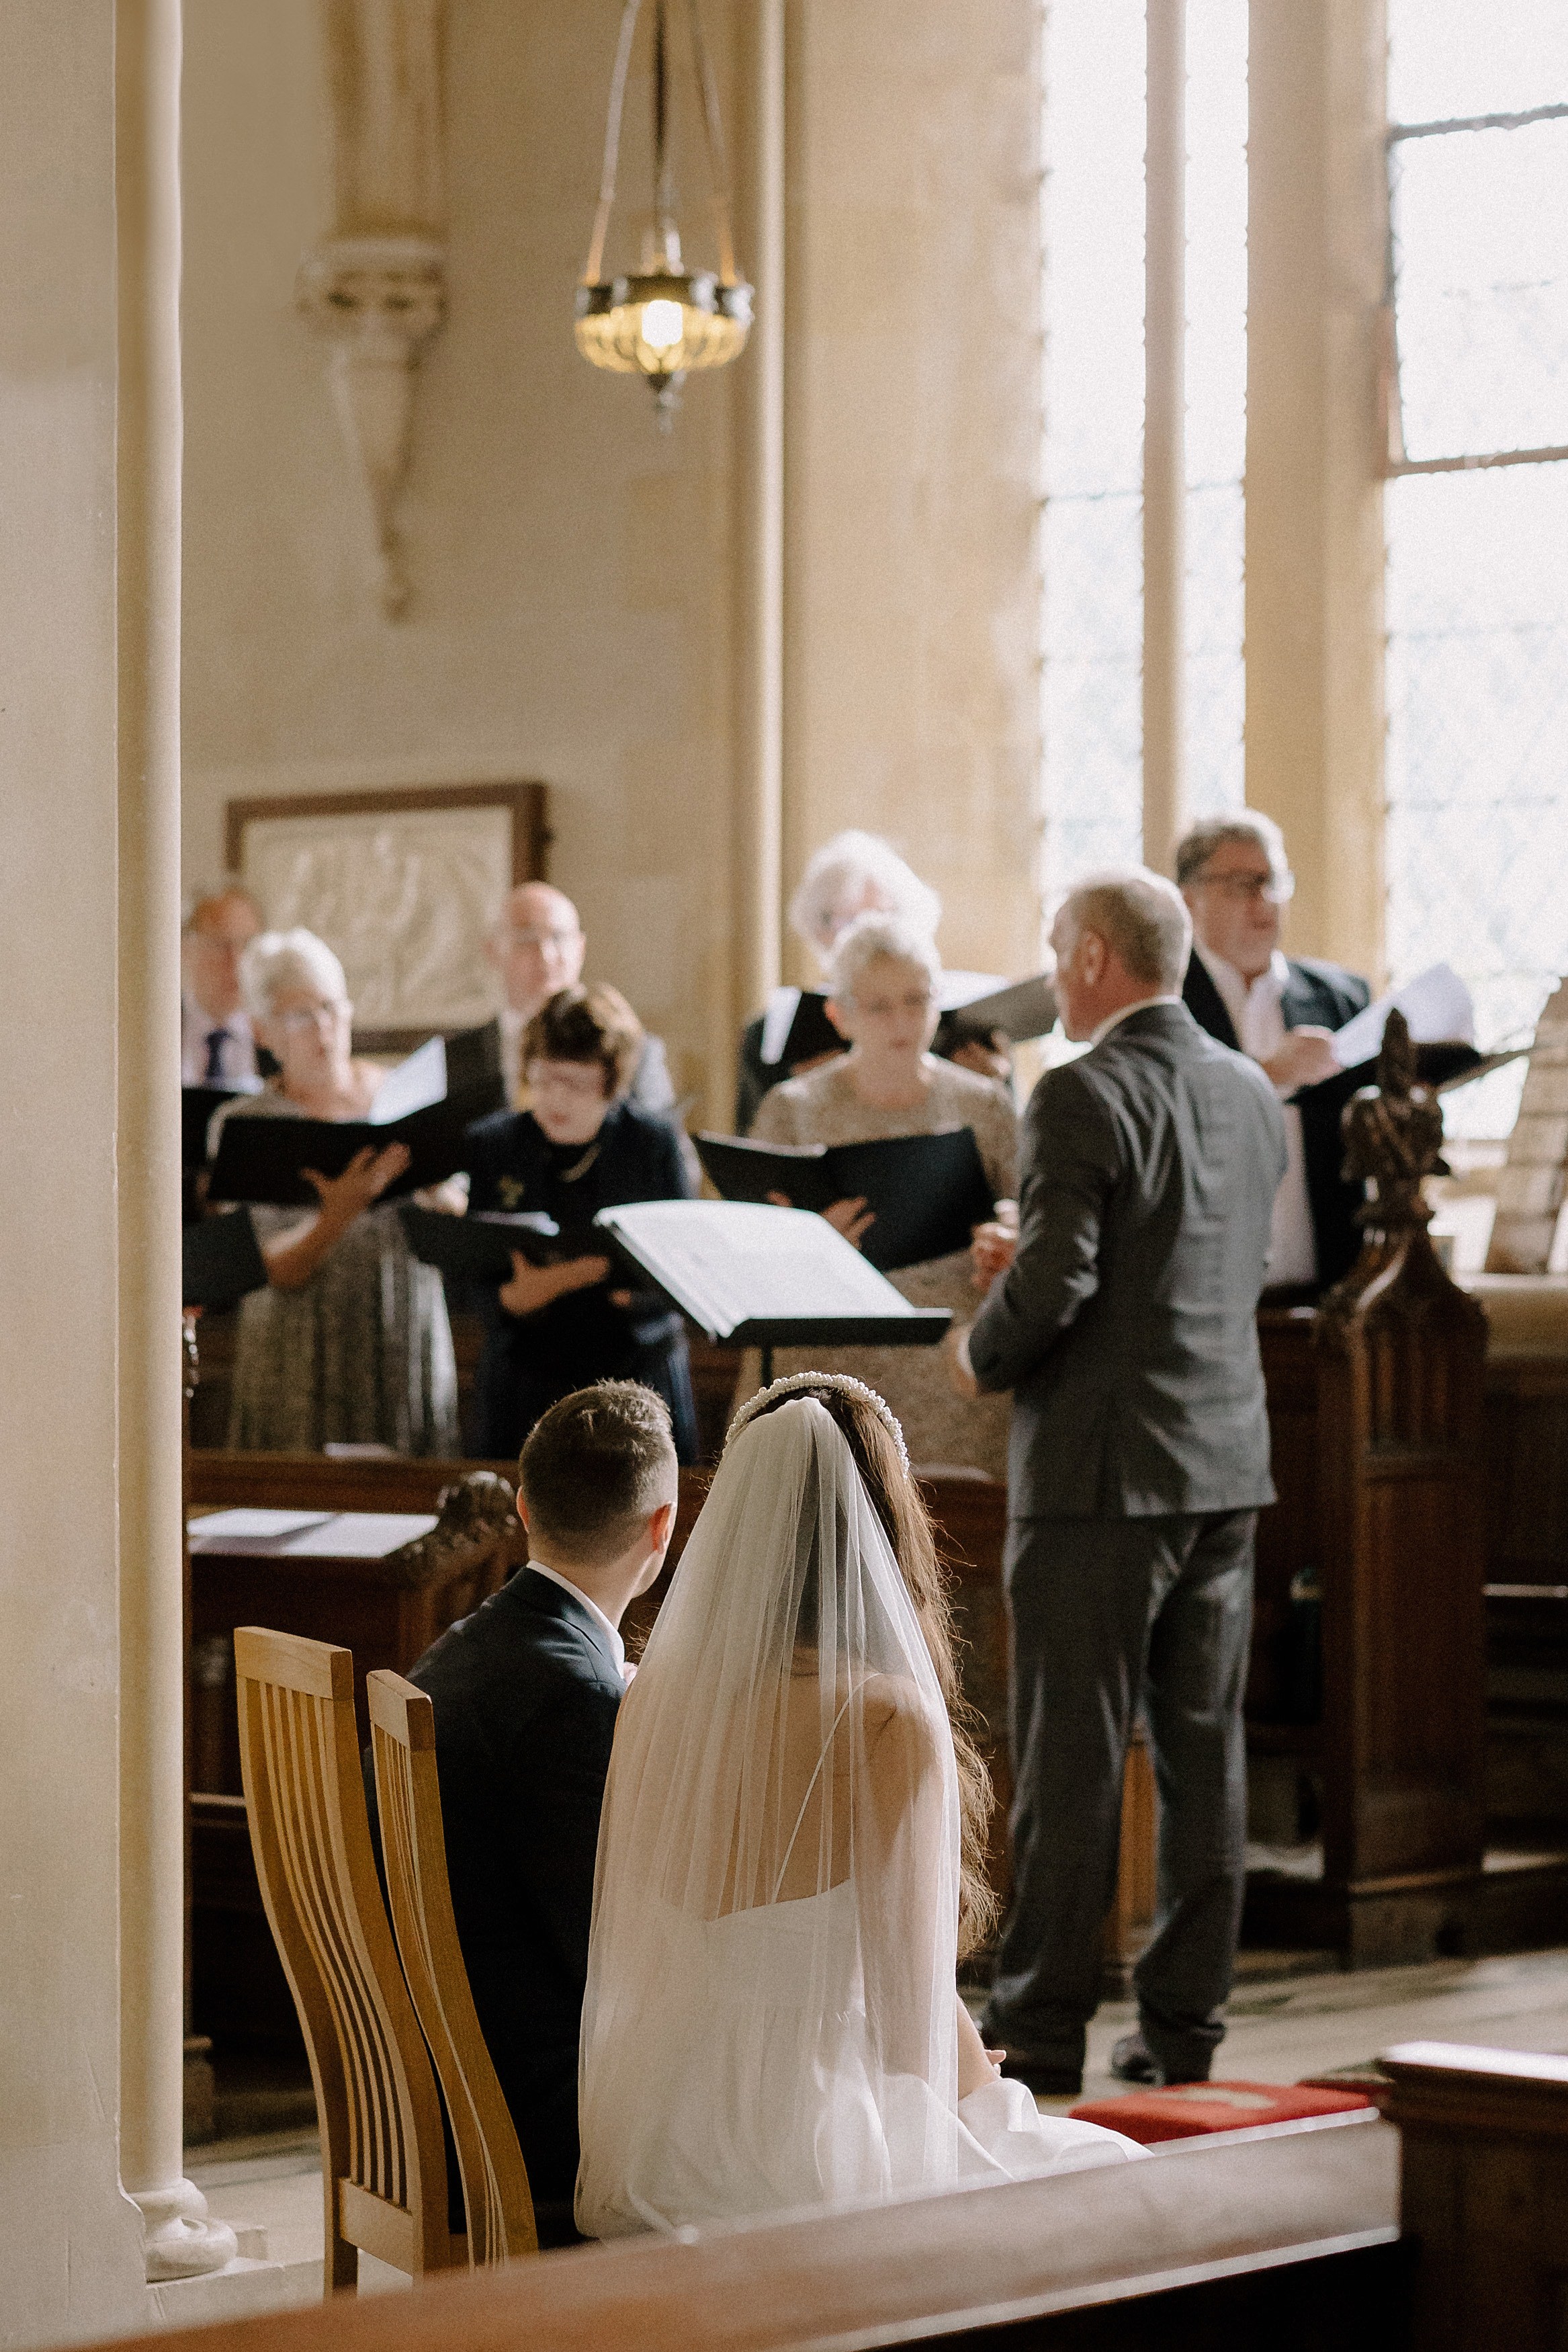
790	1862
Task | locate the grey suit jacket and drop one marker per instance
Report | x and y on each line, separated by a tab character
1127	1326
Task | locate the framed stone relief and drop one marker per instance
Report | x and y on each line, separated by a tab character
405	885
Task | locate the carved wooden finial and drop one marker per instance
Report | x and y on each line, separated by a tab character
1394	1137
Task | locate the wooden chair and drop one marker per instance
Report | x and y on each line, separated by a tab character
414	1849
383	2163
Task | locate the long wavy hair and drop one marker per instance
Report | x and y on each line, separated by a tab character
906	1523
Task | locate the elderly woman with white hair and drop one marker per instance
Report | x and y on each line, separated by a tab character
885	981
853	874
350	1342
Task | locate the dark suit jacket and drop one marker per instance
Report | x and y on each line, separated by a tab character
1127	1326
526	1692
1320	996
530	1361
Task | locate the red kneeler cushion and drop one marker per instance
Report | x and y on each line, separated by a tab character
1185	2109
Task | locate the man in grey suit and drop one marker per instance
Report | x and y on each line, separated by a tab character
1125	1326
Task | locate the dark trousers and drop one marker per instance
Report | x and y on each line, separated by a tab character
1109	1614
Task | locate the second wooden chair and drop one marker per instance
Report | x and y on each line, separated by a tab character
413	1849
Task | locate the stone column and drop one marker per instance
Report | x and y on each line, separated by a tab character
912	449
179	2238
1165	432
758	878
1318	203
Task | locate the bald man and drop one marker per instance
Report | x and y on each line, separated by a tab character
217	1048
538	948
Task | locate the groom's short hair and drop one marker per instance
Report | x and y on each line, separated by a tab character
594	1468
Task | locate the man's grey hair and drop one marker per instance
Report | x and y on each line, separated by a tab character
1200	842
867	940
278	959
850	861
1141	916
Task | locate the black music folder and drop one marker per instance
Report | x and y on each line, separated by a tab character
478	1247
428	1103
1025	1009
927	1192
197	1107
221	1260
751	1276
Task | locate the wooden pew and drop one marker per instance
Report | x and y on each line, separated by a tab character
1280	2235
1367	1685
1484	2194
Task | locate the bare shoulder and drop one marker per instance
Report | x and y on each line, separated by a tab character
894	1709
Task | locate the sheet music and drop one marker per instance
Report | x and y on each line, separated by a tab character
1436	1003
731	1262
414	1085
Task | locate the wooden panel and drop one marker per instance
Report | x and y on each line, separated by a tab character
1036	2256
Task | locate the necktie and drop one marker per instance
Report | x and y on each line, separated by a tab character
213	1075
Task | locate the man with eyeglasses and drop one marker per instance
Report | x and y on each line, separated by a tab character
538	948
1281	1011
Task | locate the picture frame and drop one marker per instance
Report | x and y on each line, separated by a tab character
404	885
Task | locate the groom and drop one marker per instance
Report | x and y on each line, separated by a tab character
526	1692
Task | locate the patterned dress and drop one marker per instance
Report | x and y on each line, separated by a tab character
939	1426
362	1354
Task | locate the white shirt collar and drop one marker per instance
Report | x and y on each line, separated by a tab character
1115	1020
617	1646
1234	989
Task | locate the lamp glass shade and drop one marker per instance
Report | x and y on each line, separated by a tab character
663	324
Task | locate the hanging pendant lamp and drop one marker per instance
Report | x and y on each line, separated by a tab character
664	321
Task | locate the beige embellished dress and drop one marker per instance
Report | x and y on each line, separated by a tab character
360	1354
939	1426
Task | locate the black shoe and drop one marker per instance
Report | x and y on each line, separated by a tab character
1047	2082
1132	2061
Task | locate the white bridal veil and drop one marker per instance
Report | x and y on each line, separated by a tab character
770	2014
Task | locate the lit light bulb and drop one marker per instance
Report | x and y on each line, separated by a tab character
662	325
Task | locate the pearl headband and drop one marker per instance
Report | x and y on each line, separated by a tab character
793	1383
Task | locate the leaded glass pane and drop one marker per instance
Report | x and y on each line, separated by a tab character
1478	754
1482	289
1450	58
1094	63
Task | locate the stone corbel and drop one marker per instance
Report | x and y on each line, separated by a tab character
375	285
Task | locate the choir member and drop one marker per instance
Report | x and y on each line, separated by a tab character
582	1145
885	981
1282	1011
539	948
349	1341
852	875
217	1044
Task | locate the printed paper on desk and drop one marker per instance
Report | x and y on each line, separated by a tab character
1436	1003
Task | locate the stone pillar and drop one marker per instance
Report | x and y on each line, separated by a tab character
1164	434
179	2238
912	448
758	877
1316	254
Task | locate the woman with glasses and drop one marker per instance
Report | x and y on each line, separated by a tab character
349	1341
579	1147
883	979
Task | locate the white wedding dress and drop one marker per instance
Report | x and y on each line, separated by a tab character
772	2020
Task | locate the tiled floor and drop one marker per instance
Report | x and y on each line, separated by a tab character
1281	2028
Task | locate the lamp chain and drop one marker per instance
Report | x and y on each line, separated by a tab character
719	174
595	263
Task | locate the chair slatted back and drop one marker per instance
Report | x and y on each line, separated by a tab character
384	2164
413	1848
